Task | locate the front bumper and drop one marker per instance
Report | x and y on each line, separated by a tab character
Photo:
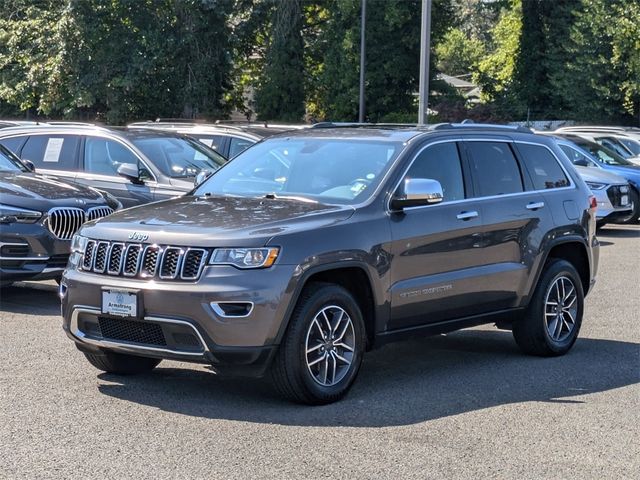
181	315
31	252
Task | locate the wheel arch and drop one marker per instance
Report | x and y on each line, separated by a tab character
354	277
574	251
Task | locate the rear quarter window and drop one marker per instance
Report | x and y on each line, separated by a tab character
543	167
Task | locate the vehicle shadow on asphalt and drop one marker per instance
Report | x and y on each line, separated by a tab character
31	298
619	232
399	384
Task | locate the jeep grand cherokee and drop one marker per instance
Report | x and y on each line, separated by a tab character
314	246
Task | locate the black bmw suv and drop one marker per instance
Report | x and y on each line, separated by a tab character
313	246
38	217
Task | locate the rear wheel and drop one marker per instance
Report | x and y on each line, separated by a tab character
321	353
122	364
552	321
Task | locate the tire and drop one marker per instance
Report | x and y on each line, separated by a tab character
121	364
635	199
542	331
299	375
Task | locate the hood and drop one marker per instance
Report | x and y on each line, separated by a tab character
215	221
592	174
37	192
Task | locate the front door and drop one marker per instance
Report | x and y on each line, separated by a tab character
436	249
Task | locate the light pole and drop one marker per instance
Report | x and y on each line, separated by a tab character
363	23
425	46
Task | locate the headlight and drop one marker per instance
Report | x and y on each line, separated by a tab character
9	214
596	185
78	244
245	257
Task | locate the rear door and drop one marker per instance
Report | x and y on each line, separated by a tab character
101	158
437	258
515	217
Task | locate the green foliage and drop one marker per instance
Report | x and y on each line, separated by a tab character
280	93
496	71
458	54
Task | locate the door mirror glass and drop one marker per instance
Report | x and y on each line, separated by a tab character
130	172
29	164
201	177
415	192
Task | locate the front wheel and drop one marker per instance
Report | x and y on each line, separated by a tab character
322	350
552	321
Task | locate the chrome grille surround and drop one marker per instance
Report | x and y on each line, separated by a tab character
98	212
100	257
64	222
116	258
144	262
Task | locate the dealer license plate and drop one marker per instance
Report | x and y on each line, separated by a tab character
120	303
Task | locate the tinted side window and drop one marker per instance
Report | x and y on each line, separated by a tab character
543	167
103	156
213	141
441	162
238	145
53	152
495	168
14	144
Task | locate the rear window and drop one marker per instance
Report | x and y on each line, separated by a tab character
543	167
52	152
495	168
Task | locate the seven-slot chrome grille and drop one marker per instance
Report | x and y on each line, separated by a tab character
144	261
64	222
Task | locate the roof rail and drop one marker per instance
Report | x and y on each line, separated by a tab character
362	125
480	126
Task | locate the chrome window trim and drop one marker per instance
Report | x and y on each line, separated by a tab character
82	337
389	210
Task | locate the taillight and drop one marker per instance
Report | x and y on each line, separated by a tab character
593	203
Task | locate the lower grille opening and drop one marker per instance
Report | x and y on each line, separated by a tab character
132	331
14	251
186	339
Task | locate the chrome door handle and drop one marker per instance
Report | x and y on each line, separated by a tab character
467	215
535	205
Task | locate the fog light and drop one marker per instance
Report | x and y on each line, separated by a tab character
232	309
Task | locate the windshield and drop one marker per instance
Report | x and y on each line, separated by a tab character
603	154
9	162
339	171
179	157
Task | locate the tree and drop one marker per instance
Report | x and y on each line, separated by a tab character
280	92
458	54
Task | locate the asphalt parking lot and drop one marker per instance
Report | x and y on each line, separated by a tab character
456	406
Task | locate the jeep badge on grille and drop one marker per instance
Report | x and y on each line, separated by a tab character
138	237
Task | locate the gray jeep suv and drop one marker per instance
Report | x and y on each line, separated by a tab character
314	246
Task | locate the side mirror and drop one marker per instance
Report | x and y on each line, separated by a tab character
581	162
201	177
30	165
130	172
416	192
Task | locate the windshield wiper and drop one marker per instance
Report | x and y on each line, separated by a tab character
274	196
